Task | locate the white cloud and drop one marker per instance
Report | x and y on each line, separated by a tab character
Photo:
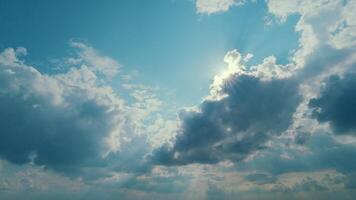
267	70
215	6
248	57
99	63
317	25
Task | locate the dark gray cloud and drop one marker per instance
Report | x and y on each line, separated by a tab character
59	138
336	104
235	126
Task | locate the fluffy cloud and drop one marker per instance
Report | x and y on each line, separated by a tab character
317	27
61	121
336	104
318	55
243	112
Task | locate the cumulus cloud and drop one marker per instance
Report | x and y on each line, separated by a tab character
336	104
317	27
318	55
61	121
249	111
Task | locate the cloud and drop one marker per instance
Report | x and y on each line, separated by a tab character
30	178
317	27
94	60
215	6
336	104
268	120
316	185
319	55
261	179
73	122
308	184
321	151
61	121
248	57
243	112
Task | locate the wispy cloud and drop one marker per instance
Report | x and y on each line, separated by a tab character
215	6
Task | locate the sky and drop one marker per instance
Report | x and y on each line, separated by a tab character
178	99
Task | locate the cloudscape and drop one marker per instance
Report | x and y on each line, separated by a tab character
178	99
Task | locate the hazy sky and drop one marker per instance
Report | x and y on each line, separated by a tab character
178	99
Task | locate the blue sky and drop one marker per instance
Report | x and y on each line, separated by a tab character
177	99
167	42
